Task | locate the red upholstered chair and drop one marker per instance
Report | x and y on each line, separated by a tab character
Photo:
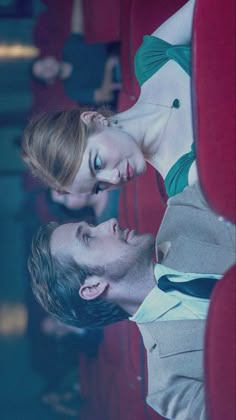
214	89
220	354
53	27
215	92
101	20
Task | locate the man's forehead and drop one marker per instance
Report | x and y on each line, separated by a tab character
62	236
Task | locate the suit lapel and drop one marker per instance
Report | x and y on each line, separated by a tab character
172	337
195	256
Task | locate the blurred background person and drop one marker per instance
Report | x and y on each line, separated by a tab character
39	361
89	71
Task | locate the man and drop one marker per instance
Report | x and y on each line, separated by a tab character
93	276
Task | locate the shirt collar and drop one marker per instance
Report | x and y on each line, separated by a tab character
157	302
162	250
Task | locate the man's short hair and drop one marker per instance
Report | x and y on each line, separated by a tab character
56	281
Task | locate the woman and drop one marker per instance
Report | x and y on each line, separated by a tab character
82	151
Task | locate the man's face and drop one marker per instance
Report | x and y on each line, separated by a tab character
106	245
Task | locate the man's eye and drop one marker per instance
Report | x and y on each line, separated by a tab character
87	238
97	163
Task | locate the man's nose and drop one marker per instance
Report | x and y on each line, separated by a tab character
111	226
110	176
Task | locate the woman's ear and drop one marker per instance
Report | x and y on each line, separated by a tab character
89	117
92	288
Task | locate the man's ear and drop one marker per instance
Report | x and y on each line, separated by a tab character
93	287
89	117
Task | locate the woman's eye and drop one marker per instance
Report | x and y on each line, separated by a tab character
99	187
97	163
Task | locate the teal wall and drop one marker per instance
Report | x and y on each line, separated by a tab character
19	384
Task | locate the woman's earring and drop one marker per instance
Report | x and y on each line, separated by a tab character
100	119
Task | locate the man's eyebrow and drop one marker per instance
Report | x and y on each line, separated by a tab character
78	232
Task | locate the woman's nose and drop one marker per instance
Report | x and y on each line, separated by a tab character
110	176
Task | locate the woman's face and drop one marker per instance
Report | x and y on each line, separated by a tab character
111	159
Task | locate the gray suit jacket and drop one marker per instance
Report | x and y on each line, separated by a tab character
199	242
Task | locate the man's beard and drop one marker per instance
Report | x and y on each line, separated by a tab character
127	266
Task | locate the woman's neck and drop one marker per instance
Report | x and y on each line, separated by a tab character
146	124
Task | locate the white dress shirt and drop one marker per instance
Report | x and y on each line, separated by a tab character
173	305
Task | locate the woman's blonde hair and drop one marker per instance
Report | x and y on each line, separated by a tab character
53	146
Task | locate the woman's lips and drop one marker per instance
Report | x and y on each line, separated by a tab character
129	172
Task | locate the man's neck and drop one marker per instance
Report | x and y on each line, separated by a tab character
137	289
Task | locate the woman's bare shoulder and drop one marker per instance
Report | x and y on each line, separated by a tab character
178	28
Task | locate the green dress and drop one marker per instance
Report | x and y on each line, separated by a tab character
150	57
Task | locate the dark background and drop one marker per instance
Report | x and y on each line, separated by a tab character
20	383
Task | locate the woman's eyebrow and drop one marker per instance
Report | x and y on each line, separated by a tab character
91	167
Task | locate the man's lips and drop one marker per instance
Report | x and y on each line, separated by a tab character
129	172
128	234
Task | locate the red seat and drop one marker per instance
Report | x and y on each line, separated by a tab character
101	20
220	353
53	27
215	91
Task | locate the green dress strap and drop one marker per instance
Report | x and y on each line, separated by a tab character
177	178
155	52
